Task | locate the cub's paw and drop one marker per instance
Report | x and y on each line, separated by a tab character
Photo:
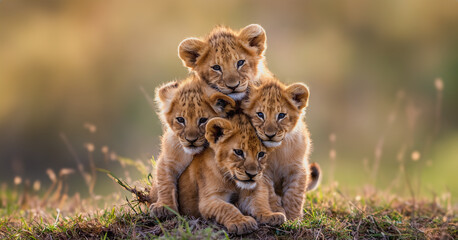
294	215
161	211
272	219
277	208
243	225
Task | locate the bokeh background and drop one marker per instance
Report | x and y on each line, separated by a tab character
383	77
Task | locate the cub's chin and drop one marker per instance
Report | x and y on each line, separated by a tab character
237	96
247	185
193	150
271	144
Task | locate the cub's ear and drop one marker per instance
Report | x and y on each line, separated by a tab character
299	94
165	94
255	37
189	50
222	104
217	129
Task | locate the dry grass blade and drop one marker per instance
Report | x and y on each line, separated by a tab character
141	196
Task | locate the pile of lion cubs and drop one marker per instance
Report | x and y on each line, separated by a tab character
235	145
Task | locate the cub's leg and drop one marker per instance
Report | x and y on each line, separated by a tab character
294	192
256	203
153	193
274	199
168	171
214	206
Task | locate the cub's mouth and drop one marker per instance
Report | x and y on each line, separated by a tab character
245	184
270	143
237	96
193	149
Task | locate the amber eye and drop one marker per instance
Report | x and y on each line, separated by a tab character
238	152
261	154
180	120
240	63
260	115
281	116
216	67
202	120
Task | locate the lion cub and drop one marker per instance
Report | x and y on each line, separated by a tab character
184	109
227	60
230	171
276	113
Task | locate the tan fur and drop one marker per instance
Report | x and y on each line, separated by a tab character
225	47
217	186
288	169
193	101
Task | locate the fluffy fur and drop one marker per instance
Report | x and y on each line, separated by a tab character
226	181
276	112
184	108
225	48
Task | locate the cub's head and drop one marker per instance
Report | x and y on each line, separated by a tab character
239	152
186	108
275	109
225	59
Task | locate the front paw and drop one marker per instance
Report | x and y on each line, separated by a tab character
278	208
294	215
243	225
272	219
160	211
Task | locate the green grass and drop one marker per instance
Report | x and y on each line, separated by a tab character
328	214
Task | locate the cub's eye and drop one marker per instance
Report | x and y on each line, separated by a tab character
260	115
216	67
281	116
180	120
238	152
240	63
202	120
261	154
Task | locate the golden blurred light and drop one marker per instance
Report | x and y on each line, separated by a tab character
113	156
332	137
439	84
66	171
91	127
415	156
90	147
36	185
332	154
104	149
51	175
17	180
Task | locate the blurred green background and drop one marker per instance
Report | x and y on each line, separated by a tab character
383	77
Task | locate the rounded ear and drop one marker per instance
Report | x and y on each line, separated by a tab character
255	37
299	94
165	94
189	50
217	129
222	104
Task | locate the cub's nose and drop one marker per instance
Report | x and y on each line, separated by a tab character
251	174
193	140
270	136
233	86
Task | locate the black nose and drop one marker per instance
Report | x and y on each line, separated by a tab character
251	176
271	136
191	140
233	87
